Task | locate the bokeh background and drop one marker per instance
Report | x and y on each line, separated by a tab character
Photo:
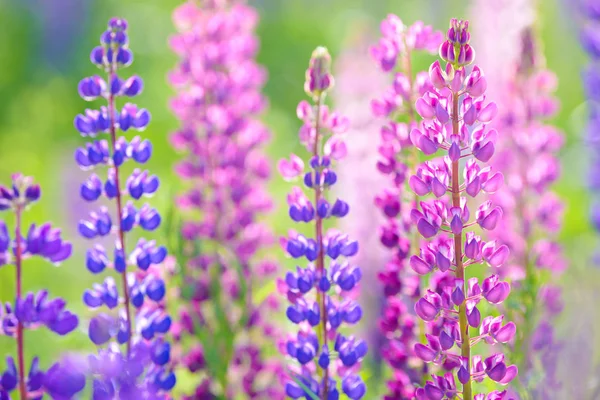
44	47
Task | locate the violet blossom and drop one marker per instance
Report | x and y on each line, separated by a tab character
456	114
533	213
32	310
397	160
225	172
133	357
320	295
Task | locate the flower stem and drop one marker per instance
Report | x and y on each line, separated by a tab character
322	328
460	269
121	236
20	344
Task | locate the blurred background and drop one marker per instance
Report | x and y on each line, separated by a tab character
44	48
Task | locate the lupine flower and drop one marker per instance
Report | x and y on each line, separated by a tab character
133	356
321	295
32	310
527	154
225	170
397	160
456	114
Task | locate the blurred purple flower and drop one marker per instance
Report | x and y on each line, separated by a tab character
395	161
225	171
527	155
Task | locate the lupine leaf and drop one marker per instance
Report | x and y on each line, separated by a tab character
208	340
264	291
223	331
243	298
306	389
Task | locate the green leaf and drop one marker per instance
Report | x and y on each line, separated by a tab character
243	298
306	389
212	355
223	332
264	291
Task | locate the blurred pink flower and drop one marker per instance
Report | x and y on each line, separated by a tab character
357	78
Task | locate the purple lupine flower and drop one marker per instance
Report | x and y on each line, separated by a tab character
455	116
225	169
133	356
527	156
32	310
397	160
321	296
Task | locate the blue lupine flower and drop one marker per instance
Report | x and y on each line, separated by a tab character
133	357
319	295
32	310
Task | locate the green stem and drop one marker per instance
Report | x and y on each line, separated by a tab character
120	233
19	277
465	348
322	328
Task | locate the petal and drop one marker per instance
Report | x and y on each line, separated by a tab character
511	372
424	353
419	265
506	333
426	229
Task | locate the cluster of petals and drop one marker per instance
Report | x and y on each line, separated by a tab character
321	297
393	53
146	361
218	100
455	116
31	311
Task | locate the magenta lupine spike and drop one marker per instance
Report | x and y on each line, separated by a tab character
133	356
533	213
218	103
397	160
320	295
33	310
456	114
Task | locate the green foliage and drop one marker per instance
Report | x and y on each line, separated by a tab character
306	389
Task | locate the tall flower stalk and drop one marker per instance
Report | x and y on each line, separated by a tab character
523	88
321	294
398	159
455	115
32	310
136	317
224	321
527	154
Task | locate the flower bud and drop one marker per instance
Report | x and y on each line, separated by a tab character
318	76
